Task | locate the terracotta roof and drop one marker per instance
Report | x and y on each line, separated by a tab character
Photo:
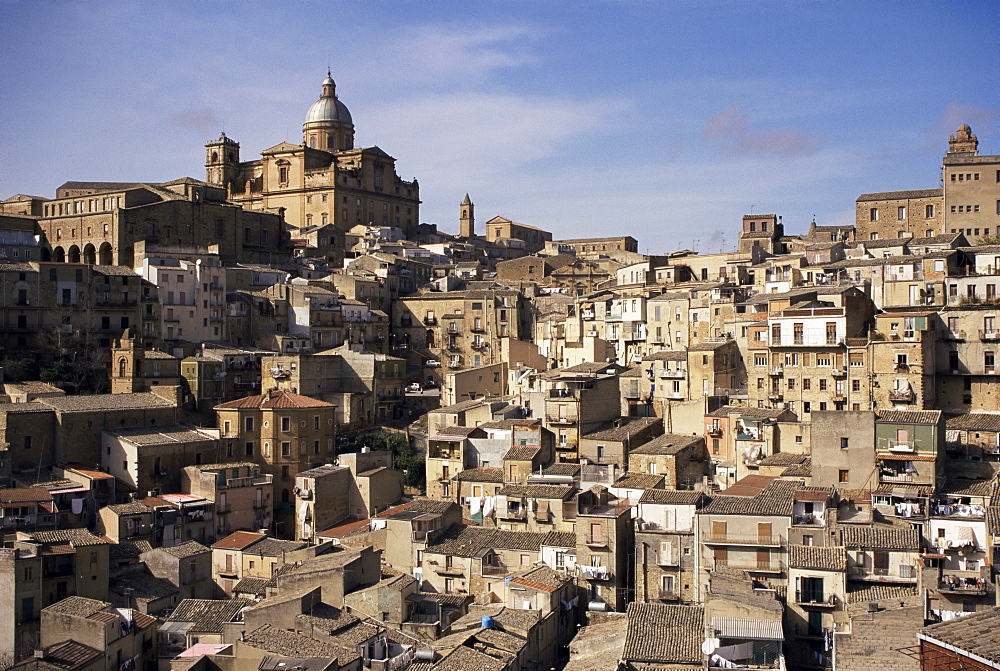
564	468
625	428
775	499
521	453
664	634
25	495
101	402
783	459
185	550
860	592
77	605
75	537
881	537
537	491
284	642
275	399
238	540
71	655
909	417
639	481
542	578
974	634
976	421
817	557
667	444
480	475
671	497
208	615
559	539
464	658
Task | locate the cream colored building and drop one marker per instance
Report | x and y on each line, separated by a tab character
324	180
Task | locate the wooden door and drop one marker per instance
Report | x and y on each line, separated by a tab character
764	532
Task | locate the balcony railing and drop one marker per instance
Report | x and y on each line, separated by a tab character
752	565
901	396
955	585
596	540
669	595
901	573
559	419
495	569
989	336
744	539
815	599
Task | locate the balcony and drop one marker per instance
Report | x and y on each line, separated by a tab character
430	321
587	314
598	541
715	431
808	520
669	595
902	573
559	419
755	540
901	395
776	371
989	336
752	565
561	393
838	372
672	374
497	568
815	600
249	481
452	571
896	477
516	514
479	344
775	395
956	585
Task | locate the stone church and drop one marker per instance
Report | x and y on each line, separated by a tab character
325	186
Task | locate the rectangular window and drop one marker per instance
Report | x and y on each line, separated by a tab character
929	212
873	214
843	475
901	213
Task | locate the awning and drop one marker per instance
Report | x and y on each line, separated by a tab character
743	627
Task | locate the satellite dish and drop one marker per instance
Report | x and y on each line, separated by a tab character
710	645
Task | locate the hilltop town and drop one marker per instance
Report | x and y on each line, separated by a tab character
271	420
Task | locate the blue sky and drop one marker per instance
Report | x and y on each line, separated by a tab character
663	120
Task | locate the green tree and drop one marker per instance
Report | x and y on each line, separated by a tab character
406	460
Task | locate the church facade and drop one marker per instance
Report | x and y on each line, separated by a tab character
325	186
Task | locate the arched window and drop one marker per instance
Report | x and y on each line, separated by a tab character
215	157
122	365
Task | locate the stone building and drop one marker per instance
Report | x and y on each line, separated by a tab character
286	434
324	180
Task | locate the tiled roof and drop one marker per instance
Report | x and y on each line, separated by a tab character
71	655
639	481
185	550
817	557
455	431
543	578
77	605
783	459
671	496
464	658
975	634
667	444
537	491
567	469
480	475
909	417
625	429
162	435
560	539
25	495
898	195
968	487
274	547
128	549
664	634
521	453
429	506
470	541
249	585
275	399
993	520
99	402
775	499
860	592
803	470
208	615
76	537
976	421
284	642
131	508
446	599
881	537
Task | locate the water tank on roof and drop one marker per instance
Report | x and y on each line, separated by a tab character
487	622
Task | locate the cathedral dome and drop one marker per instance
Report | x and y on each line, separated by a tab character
328	107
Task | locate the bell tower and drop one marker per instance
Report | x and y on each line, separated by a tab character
222	161
963	142
127	357
467	219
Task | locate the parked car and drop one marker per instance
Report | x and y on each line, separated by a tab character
413	386
432	363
